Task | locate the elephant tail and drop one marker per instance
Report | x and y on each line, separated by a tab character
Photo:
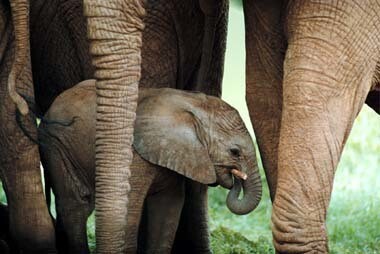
20	17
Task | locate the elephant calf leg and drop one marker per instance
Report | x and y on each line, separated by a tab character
71	228
143	174
72	197
193	232
161	217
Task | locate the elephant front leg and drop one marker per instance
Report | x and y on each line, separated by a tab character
193	233
143	174
162	213
72	227
265	49
327	75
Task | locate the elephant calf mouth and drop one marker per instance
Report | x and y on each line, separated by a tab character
225	175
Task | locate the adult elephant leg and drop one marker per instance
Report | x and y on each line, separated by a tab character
210	71
114	28
30	223
265	50
328	70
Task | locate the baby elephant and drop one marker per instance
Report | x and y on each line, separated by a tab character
178	135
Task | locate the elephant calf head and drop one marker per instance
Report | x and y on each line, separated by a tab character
202	138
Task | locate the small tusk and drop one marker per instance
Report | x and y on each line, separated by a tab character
239	174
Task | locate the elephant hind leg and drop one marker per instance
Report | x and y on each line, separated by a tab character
73	198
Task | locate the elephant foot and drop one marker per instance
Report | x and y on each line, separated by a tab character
298	232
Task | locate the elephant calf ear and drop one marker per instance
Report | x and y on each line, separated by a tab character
167	137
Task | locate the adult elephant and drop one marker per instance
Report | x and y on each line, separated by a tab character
30	224
310	67
173	52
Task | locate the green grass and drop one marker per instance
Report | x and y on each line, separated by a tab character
354	213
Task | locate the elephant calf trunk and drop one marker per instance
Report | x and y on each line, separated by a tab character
251	189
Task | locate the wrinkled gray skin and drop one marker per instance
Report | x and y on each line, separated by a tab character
196	136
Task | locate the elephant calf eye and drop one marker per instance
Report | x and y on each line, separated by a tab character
235	152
